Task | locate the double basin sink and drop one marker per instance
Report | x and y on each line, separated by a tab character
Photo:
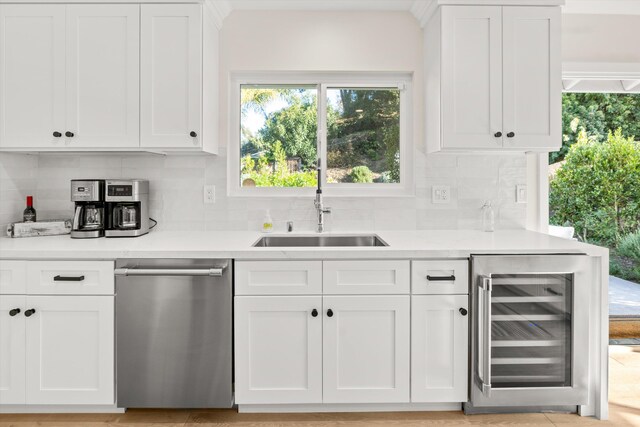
362	240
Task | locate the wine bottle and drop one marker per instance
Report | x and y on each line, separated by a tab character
29	214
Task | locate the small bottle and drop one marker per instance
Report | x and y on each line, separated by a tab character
267	223
488	217
29	214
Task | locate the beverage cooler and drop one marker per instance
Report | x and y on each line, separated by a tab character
530	326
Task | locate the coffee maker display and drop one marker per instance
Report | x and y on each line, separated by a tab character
89	213
127	207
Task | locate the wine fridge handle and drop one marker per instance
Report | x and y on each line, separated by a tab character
484	333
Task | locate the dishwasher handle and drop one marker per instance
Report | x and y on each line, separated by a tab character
214	272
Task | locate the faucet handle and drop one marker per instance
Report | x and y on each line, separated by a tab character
289	226
326	210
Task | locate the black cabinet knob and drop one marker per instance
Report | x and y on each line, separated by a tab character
497	134
463	311
314	313
511	134
68	134
193	134
57	134
14	312
330	313
29	312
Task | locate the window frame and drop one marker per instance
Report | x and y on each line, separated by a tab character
323	81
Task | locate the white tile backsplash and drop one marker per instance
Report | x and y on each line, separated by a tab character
176	199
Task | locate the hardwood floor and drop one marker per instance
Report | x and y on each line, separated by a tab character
624	406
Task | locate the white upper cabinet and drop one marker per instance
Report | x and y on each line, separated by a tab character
171	75
32	75
532	83
472	78
103	52
108	77
493	79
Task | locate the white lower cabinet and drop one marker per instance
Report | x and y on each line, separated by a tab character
12	351
439	348
366	349
314	349
278	348
344	344
56	350
70	350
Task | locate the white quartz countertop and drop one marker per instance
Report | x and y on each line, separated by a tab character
237	244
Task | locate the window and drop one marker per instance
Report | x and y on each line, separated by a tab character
355	127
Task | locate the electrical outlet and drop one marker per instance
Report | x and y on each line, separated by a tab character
440	194
209	194
521	194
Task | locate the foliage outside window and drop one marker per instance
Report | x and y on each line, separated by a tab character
595	184
281	135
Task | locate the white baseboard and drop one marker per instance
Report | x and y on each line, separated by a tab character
60	409
352	407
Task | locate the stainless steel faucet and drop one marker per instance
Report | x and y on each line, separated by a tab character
318	203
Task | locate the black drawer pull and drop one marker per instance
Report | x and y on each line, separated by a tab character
314	313
29	312
463	311
330	313
441	278
68	278
14	312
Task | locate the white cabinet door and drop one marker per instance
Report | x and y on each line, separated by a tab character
171	75
70	350
32	83
278	348
365	349
439	348
103	73
532	77
366	277
12	350
13	277
471	77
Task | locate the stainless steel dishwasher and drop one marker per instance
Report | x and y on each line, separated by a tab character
174	333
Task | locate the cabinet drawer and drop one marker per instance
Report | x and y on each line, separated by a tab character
70	277
13	277
440	277
366	277
278	277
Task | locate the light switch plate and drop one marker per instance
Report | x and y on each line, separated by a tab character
521	194
209	194
440	194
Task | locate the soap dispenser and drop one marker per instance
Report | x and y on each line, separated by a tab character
267	222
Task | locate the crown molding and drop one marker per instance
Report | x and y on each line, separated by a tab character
217	10
602	7
345	5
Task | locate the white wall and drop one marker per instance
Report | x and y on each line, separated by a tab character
18	179
334	41
600	38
